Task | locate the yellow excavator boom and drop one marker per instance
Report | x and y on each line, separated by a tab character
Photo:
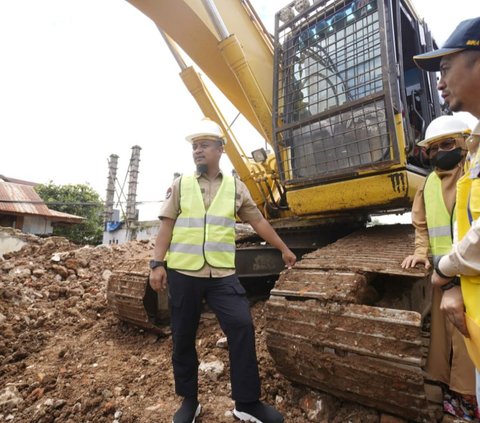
199	38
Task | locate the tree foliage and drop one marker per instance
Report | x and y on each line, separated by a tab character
80	200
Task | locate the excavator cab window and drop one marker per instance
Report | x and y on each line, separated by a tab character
337	91
330	96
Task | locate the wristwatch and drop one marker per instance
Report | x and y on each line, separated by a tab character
156	263
449	285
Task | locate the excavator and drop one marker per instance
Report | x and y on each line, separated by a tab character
341	105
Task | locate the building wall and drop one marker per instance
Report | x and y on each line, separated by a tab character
37	225
140	231
120	236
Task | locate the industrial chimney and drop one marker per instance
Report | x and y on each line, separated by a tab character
131	214
112	176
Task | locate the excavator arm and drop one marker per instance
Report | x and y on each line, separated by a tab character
209	34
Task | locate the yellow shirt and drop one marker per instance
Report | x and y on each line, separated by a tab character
464	260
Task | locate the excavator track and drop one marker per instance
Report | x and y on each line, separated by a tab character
132	299
348	320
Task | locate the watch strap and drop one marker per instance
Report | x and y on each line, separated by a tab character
449	285
156	263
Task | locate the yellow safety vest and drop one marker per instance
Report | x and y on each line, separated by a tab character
201	236
439	220
468	210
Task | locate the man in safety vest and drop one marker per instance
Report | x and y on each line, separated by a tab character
433	214
198	232
459	64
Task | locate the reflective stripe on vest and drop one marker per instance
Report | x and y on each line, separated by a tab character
201	236
439	221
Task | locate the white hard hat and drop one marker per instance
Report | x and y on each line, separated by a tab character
442	127
206	128
476	130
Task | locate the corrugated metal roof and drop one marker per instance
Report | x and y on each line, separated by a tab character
65	217
23	199
17	181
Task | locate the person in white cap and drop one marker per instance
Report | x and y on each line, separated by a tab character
433	214
459	64
197	239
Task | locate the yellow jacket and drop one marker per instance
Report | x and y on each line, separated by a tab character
464	259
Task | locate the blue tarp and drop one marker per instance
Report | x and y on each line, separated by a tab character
113	226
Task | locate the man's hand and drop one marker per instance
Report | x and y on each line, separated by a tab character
288	258
413	260
158	279
439	281
453	307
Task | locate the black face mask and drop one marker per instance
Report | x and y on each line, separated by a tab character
447	160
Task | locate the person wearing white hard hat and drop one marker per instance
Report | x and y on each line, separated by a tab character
433	214
197	240
445	146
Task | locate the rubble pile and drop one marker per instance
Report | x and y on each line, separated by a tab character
64	357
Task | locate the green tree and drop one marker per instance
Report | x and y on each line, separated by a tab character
80	200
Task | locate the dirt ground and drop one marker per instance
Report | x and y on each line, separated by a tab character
66	358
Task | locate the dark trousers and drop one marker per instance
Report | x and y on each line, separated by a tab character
226	297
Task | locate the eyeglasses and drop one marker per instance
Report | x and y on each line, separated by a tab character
445	145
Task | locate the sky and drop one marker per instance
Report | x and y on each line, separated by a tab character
83	79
